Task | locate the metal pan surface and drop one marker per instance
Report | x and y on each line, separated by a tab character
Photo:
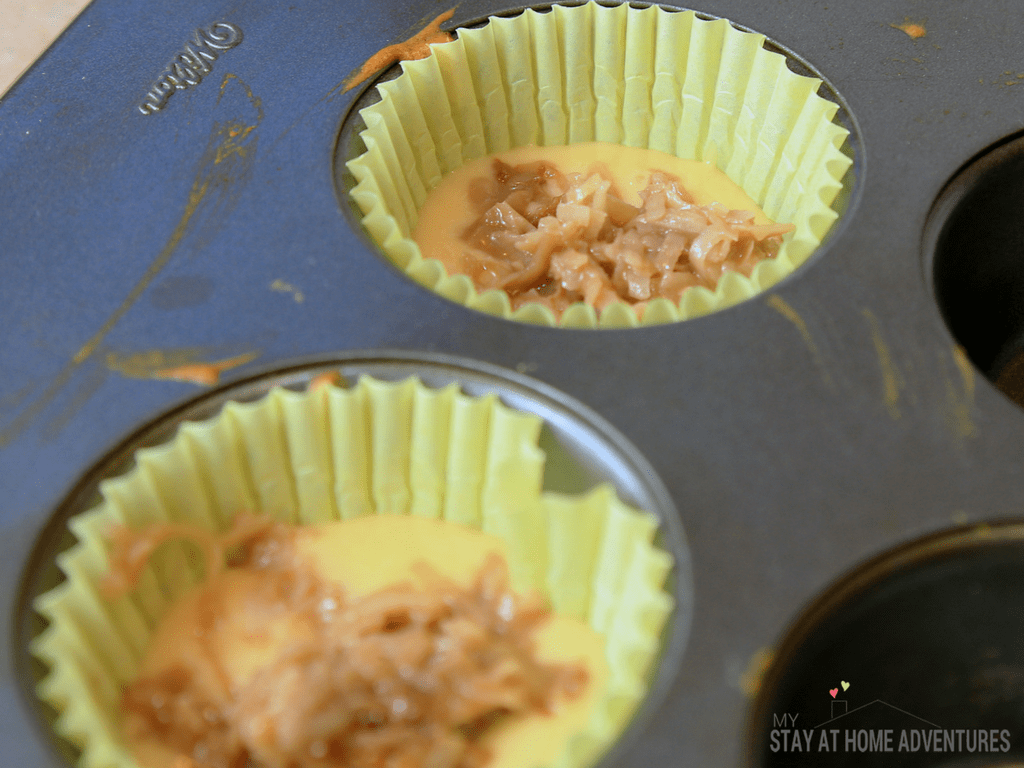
798	434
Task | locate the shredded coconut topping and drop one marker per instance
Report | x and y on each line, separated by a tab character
406	677
556	239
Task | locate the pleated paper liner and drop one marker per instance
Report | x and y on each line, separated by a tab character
333	453
651	78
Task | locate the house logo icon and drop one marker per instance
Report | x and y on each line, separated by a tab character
876	708
839	708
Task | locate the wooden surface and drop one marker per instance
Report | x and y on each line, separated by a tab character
27	27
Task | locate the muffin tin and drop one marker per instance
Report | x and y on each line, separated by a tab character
824	424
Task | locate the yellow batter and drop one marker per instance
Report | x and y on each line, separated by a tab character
445	214
366	554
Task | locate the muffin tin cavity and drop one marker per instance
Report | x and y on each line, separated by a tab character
918	651
975	245
581	451
690	85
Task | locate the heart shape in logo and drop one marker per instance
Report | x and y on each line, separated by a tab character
844	684
833	691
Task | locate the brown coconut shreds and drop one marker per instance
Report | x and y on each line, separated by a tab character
556	239
131	549
402	678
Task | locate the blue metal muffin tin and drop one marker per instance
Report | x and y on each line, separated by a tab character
798	433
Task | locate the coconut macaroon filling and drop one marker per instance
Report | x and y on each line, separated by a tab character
384	640
557	225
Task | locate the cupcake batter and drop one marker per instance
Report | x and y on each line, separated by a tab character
250	664
593	222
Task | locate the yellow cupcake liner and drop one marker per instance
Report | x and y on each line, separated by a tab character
648	77
334	453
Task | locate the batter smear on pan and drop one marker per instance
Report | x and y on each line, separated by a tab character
416	47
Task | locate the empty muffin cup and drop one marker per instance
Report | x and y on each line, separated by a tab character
696	88
338	452
913	659
973	238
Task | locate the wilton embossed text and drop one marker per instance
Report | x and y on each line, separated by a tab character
192	64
